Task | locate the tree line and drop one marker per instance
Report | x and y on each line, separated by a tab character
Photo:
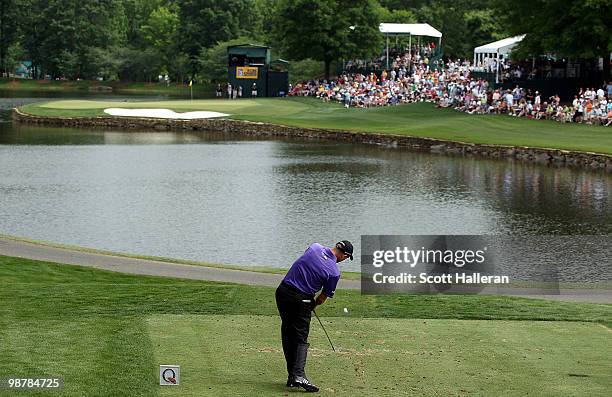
136	40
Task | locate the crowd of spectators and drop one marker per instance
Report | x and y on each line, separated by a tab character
398	59
512	70
508	70
589	107
413	79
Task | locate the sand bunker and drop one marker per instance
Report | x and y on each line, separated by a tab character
162	113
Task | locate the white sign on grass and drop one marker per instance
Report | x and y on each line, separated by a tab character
169	375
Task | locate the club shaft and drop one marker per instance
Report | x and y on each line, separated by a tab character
330	342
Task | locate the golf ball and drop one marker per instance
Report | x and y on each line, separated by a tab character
346	310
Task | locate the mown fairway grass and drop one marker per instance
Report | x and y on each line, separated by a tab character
107	333
420	120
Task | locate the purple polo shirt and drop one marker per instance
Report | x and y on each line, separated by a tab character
314	270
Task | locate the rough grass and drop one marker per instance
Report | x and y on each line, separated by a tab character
420	120
100	329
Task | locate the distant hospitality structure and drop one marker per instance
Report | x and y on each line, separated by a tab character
249	67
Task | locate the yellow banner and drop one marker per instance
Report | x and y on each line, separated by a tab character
246	72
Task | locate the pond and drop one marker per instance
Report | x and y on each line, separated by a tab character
222	198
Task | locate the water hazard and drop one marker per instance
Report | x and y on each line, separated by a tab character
229	199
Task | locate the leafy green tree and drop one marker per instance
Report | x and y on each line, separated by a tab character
263	18
180	67
204	23
397	16
450	20
327	30
306	69
100	24
404	4
137	13
576	29
59	34
51	35
464	24
152	27
107	63
213	61
160	32
138	65
483	26
15	54
10	17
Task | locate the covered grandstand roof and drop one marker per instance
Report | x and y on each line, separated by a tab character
414	29
503	46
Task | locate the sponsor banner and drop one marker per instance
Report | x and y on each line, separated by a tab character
246	72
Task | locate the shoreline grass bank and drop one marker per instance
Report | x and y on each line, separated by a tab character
420	120
261	269
346	275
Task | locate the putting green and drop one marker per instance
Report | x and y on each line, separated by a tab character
419	120
241	355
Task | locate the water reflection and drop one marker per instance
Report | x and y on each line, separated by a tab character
226	198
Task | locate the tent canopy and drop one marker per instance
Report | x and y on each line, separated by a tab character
413	29
503	46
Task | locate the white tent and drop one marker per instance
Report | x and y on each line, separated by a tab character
410	29
414	29
497	50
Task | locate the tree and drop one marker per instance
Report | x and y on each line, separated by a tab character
107	62
138	65
9	30
213	61
397	16
464	24
204	23
576	29
327	30
483	26
180	67
15	54
137	13
100	24
160	32
263	18
59	35
152	28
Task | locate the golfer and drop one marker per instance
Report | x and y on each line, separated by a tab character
316	269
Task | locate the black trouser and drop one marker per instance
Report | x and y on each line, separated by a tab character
295	315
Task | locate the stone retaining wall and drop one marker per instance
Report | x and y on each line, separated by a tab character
543	156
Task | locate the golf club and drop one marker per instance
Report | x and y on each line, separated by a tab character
330	342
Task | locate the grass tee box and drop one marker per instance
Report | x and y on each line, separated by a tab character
240	356
418	120
107	334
